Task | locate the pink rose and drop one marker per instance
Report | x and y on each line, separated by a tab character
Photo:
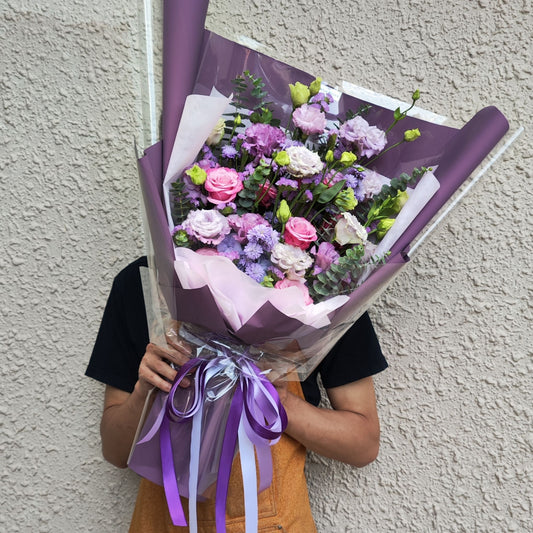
285	283
222	184
299	232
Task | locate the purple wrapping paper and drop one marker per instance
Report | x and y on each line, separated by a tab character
196	65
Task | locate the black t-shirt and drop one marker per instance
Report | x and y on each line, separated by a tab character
123	336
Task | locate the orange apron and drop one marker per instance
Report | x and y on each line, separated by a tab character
283	507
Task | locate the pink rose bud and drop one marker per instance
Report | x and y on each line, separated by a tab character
299	232
222	185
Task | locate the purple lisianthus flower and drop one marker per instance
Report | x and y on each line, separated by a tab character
357	134
374	141
325	257
262	139
308	194
309	119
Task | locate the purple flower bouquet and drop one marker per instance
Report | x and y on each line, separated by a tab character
269	242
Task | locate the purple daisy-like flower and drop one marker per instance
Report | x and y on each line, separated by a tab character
229	151
253	251
256	271
264	235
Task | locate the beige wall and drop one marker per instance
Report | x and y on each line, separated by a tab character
456	403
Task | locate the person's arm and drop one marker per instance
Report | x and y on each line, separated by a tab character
122	410
349	432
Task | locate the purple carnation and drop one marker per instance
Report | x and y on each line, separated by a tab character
262	139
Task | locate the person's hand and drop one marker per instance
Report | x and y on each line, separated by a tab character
155	369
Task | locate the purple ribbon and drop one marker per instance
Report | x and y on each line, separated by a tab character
255	404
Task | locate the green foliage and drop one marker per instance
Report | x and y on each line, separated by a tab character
249	94
363	110
399	184
181	204
342	277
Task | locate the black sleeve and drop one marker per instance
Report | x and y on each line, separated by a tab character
357	355
123	334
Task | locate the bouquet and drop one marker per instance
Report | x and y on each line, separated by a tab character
293	207
265	204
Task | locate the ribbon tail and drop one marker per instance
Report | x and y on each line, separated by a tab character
264	460
194	463
169	476
226	458
249	479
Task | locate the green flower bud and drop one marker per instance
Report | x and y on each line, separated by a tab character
268	281
348	159
411	135
282	158
399	201
283	213
329	156
300	94
197	175
181	238
384	225
315	86
416	95
237	120
345	200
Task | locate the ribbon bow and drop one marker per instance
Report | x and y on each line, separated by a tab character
256	420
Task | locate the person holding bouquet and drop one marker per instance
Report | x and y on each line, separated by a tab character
130	367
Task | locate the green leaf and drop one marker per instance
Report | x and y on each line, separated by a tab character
330	192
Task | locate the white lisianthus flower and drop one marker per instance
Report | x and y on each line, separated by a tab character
290	259
216	135
348	230
303	162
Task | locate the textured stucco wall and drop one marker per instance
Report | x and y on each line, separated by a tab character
456	403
